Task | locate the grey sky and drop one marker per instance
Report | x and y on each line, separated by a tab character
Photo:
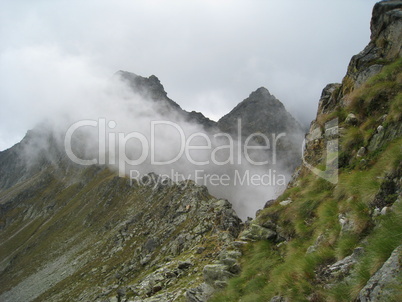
209	55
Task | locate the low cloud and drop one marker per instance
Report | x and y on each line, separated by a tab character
95	101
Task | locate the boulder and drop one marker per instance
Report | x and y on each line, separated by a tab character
256	232
216	272
340	269
184	264
351	119
361	152
286	202
199	294
279	299
383	284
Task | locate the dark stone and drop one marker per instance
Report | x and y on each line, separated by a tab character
269	203
151	245
184	264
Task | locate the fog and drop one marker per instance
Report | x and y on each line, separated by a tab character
103	121
208	54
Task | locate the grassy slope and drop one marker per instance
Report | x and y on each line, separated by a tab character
286	269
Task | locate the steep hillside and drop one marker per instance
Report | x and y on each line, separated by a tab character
339	237
94	235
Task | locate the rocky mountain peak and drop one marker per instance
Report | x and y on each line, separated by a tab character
262	94
262	91
260	112
150	87
263	113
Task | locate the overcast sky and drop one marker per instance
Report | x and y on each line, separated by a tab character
208	54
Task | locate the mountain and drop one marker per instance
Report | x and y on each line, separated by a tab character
70	232
38	150
151	88
262	113
82	233
335	233
89	235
